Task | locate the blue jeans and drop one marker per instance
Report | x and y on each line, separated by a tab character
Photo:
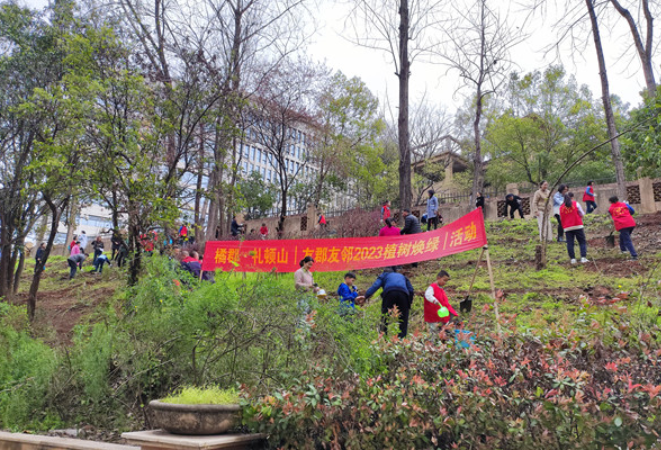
625	241
580	237
591	206
98	265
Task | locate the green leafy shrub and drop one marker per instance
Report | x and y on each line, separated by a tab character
203	396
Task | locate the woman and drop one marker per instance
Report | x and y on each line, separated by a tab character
558	200
541	207
390	229
571	216
303	278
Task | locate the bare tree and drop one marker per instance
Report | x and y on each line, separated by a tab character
644	47
376	25
606	98
480	44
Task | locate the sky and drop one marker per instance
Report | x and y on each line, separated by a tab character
331	43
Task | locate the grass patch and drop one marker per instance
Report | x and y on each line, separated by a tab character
203	396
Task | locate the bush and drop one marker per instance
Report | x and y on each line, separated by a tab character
560	390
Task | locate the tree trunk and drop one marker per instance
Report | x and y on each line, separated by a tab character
477	160
405	192
20	249
56	214
608	108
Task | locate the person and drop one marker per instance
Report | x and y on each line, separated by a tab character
348	295
73	242
264	231
411	226
571	216
558	200
588	197
122	253
235	227
75	249
98	247
191	263
303	279
389	229
39	257
322	221
82	241
385	210
435	297
432	210
621	214
115	244
541	207
411	223
479	201
513	203
99	261
183	234
397	291
74	262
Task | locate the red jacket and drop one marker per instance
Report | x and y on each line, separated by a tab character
570	217
621	216
431	309
588	195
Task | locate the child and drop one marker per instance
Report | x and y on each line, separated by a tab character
624	223
264	231
588	197
348	295
435	298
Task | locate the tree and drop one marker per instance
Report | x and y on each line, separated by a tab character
256	196
606	98
349	123
543	121
480	43
644	47
376	25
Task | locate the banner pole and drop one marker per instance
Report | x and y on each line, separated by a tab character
477	266
493	287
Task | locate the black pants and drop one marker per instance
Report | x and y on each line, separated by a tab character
403	303
513	210
561	231
432	221
73	269
582	244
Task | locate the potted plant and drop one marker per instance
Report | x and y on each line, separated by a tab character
198	411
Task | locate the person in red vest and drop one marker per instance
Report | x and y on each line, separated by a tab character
385	210
322	221
264	231
624	223
435	297
571	218
588	197
183	234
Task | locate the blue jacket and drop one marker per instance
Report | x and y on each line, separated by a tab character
432	207
558	199
391	281
347	295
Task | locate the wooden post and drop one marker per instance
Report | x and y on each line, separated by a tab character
477	266
493	287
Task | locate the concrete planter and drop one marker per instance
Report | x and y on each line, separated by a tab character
195	419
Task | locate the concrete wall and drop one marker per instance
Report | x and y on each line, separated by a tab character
18	441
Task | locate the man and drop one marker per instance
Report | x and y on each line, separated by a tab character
116	242
236	228
74	261
98	247
513	203
397	291
411	226
39	257
411	223
432	210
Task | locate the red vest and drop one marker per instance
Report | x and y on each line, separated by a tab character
586	196
322	220
570	218
621	216
431	309
386	212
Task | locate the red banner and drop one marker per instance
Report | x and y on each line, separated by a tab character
465	233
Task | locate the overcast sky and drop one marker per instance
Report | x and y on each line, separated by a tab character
331	44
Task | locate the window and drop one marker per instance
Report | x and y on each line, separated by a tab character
254	152
246	151
259	155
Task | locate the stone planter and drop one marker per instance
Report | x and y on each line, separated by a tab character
195	419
